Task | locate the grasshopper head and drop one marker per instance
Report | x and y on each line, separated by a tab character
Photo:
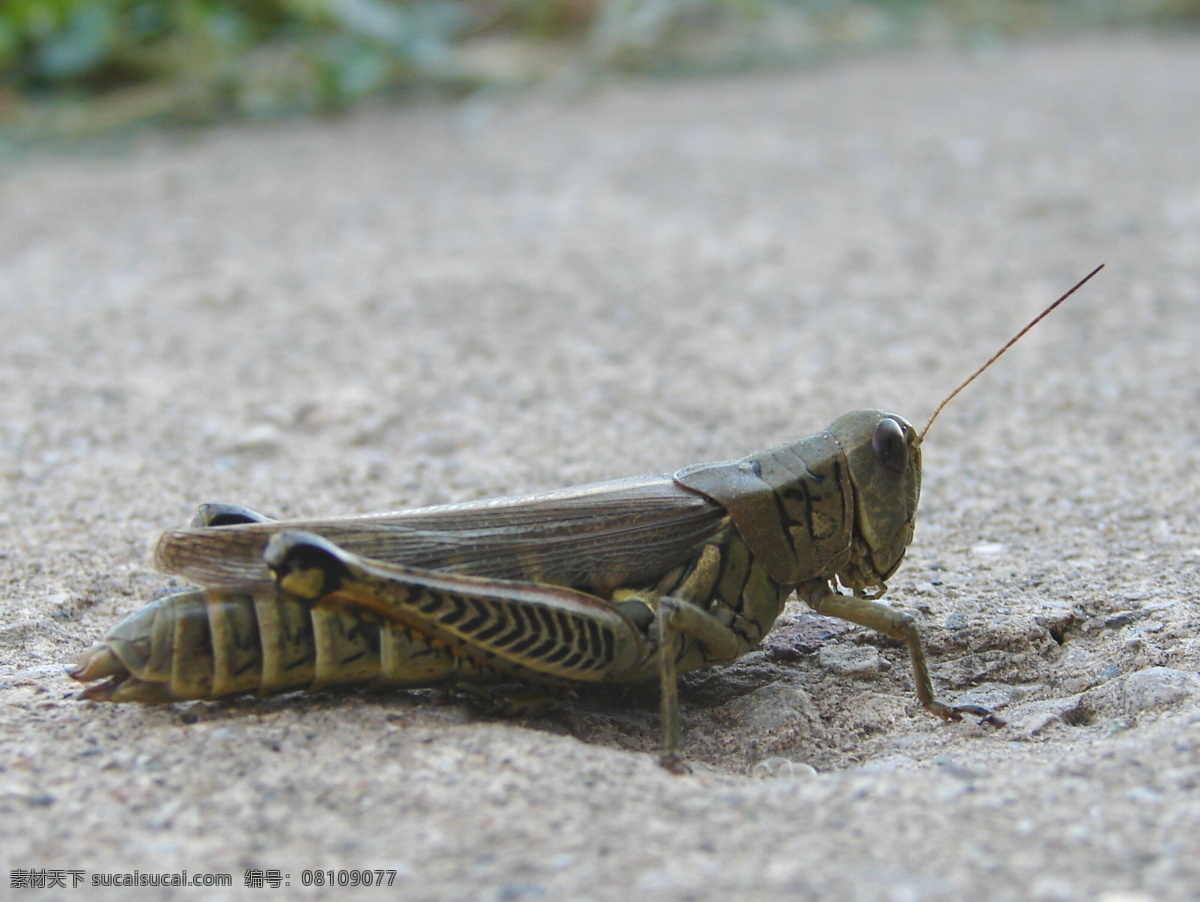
883	453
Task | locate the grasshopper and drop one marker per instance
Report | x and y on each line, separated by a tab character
621	581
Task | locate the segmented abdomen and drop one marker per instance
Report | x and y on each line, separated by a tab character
212	643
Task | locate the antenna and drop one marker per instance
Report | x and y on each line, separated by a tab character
1012	341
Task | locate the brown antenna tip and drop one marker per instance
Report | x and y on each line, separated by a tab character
1012	341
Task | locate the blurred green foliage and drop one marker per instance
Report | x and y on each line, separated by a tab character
213	57
208	59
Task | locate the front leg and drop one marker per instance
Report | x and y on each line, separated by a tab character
895	625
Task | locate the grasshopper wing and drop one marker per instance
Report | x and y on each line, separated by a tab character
593	537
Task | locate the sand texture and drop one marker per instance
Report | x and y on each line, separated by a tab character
417	306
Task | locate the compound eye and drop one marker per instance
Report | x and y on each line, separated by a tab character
891	448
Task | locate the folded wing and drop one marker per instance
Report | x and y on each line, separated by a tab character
594	537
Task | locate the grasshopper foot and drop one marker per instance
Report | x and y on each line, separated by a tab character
990	719
671	761
956	712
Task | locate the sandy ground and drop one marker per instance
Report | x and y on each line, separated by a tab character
411	307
